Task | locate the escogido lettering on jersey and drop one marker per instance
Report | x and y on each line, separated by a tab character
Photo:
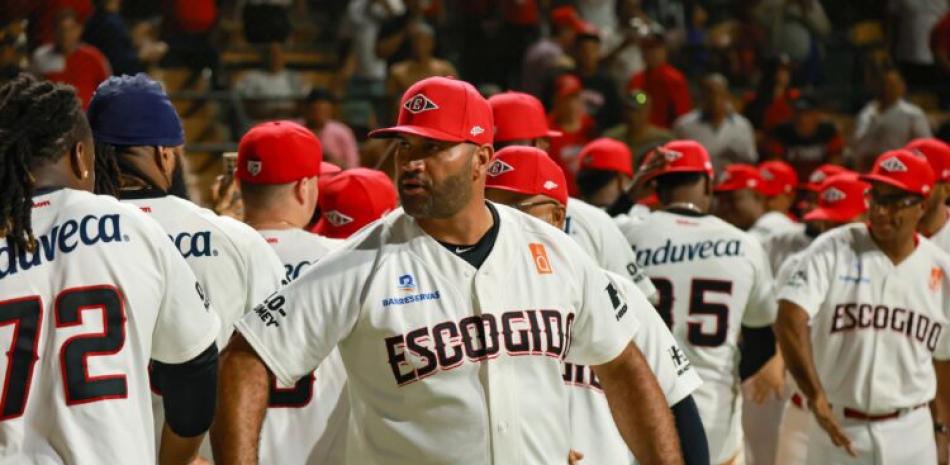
196	244
675	253
857	316
426	351
65	237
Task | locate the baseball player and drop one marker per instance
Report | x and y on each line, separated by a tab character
278	166
353	199
445	366
135	125
933	225
808	191
741	195
92	291
780	187
876	297
714	281
841	200
536	185
520	120
606	168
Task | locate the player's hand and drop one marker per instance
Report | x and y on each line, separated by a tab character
574	457
226	198
943	448
822	411
769	381
653	163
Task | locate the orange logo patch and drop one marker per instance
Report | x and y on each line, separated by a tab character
936	275
540	256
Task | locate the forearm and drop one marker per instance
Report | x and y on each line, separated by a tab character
794	337
942	401
242	402
177	450
692	435
639	408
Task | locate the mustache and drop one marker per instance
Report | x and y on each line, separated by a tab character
414	178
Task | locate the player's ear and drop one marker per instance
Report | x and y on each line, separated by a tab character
560	215
165	159
481	159
81	161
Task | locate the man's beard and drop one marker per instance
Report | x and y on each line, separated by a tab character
178	187
443	200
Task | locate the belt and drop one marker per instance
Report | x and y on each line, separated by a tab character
799	401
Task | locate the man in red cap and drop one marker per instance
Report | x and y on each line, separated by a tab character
520	120
536	186
934	223
278	165
606	168
550	53
352	199
808	191
841	200
740	199
414	304
780	185
875	297
714	283
577	128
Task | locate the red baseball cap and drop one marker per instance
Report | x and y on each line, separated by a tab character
607	154
738	176
567	84
817	177
352	199
566	16
841	199
278	152
527	170
937	153
329	169
519	116
682	156
443	109
904	170
778	178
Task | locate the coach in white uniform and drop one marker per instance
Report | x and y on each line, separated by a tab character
278	166
453	317
535	184
877	299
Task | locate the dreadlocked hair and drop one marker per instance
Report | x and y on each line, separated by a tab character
39	122
107	170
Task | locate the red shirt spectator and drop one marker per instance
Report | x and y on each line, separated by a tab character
666	86
521	12
43	17
577	128
780	110
69	61
194	16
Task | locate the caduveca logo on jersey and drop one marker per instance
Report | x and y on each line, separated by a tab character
194	244
64	238
676	253
447	345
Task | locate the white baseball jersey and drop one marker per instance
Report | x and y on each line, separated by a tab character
712	279
445	364
104	292
593	431
769	224
305	422
783	244
942	237
236	268
597	233
867	313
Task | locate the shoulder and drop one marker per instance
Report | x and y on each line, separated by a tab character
911	109
674	74
687	119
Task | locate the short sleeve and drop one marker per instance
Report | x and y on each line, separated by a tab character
295	328
186	324
265	273
806	279
761	307
673	371
603	324
618	256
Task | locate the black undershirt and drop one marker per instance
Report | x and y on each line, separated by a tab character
476	254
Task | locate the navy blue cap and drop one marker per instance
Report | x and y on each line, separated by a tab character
132	111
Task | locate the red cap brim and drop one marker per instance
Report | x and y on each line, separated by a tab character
554	133
827	214
429	133
682	169
520	191
730	186
887	180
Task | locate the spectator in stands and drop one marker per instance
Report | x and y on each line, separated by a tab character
41	16
12	51
795	28
70	61
771	104
623	56
339	144
266	21
887	122
577	128
600	90
910	24
271	91
807	141
727	135
636	131
521	26
106	30
188	29
666	86
545	57
420	64
393	42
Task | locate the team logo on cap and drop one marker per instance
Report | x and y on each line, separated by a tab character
816	177
893	165
833	195
498	168
671	155
254	167
766	175
725	177
476	130
337	219
419	103
550	185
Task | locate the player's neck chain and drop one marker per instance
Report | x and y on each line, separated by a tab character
684	206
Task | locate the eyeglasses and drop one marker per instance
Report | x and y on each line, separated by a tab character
896	201
525	206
